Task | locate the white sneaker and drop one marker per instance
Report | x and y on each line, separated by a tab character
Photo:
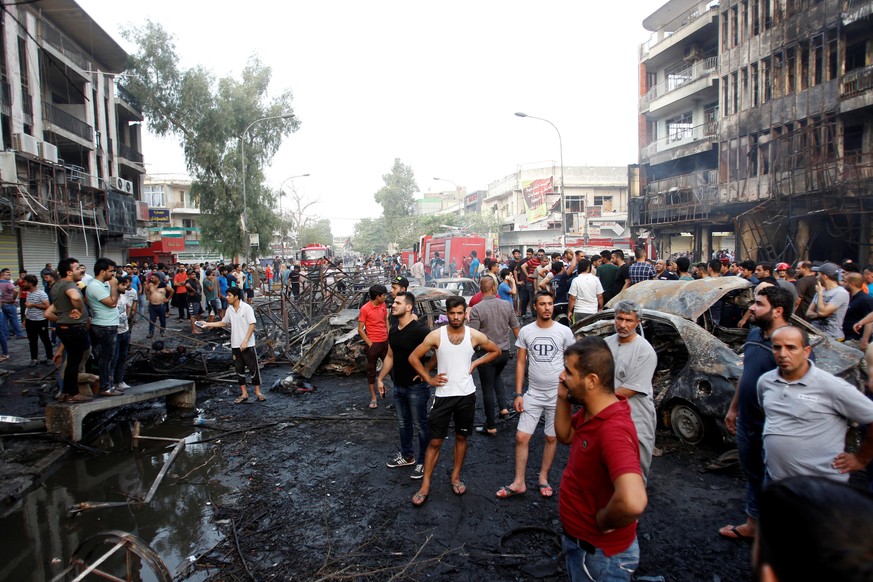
122	386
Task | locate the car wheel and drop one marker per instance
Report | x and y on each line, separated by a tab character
687	424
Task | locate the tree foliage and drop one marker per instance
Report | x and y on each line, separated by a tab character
209	116
315	232
369	236
398	204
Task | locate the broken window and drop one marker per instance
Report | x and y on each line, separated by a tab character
767	10
732	160
766	79
756	17
710	120
678	74
724	97
575	203
744	84
804	67
778	74
735	26
817	59
853	140
744	19
735	93
833	68
725	31
791	72
855	55
754	73
605	202
743	158
679	127
753	154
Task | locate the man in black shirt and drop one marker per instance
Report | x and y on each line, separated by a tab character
411	393
622	276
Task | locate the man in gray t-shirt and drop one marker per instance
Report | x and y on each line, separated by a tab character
830	303
635	363
806	414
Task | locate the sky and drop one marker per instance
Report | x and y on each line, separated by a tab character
435	84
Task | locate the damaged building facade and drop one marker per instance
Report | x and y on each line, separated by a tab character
756	129
71	164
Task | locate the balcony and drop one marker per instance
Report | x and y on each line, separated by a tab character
128	153
696	77
856	10
856	89
680	27
680	199
66	121
681	142
59	41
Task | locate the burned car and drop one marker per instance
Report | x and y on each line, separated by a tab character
699	361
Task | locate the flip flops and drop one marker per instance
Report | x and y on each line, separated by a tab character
507	492
262	398
241	399
459	488
732	533
546	490
418	499
373	404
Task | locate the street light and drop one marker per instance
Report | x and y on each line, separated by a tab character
242	148
449	181
561	147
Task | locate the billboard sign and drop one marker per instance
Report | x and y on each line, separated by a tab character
160	215
534	194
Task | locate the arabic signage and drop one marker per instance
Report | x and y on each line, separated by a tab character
161	215
534	194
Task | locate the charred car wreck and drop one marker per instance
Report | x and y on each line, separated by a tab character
699	361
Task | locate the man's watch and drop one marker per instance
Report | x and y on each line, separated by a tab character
517	395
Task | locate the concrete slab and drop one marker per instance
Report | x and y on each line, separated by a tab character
66	418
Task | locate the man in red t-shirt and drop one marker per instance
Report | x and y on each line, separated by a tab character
602	490
373	329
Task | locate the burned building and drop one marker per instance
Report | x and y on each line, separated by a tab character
756	128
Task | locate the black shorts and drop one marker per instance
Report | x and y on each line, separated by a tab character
460	408
250	292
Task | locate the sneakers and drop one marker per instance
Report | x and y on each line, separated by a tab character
418	473
32	363
122	386
400	461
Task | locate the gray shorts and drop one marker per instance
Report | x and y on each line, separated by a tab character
534	409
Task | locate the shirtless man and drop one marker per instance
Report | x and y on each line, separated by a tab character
455	396
158	295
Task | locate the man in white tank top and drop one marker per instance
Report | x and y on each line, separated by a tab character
455	397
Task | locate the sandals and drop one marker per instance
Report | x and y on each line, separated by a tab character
374	405
459	488
507	492
546	490
241	399
262	398
3	358
418	499
79	398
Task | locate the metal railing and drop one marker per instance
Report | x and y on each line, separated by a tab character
698	70
127	152
854	10
681	198
57	116
64	45
677	24
680	136
127	97
857	81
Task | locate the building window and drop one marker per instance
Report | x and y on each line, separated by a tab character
735	92
735	26
677	75
754	71
756	17
575	203
790	65
725	102
153	195
817	59
766	79
744	84
833	68
679	128
605	202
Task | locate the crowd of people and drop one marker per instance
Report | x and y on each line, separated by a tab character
790	417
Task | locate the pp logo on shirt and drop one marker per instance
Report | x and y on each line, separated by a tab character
543	349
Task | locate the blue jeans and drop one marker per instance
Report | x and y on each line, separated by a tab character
10	314
750	446
122	346
104	340
410	405
596	567
157	312
4	332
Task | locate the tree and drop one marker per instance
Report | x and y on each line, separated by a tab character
317	232
369	236
398	204
209	116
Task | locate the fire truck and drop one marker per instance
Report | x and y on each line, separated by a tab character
450	247
314	255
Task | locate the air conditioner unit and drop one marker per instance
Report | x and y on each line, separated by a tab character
116	183
127	186
25	143
8	168
693	52
48	152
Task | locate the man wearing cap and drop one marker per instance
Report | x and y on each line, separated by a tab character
830	303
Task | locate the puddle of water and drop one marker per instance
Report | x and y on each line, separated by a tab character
176	524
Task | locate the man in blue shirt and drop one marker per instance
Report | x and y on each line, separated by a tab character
474	265
102	297
772	310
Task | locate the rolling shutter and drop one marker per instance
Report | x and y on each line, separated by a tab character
9	252
76	249
38	247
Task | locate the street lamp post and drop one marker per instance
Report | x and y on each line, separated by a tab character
242	147
563	201
457	191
